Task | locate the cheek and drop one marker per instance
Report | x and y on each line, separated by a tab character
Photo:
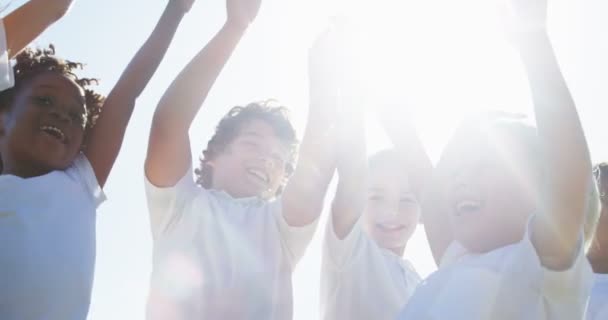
409	214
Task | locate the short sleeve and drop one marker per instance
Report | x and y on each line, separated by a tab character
6	71
341	251
165	205
295	239
564	293
561	286
82	171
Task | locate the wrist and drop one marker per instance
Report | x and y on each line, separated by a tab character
175	8
236	25
534	45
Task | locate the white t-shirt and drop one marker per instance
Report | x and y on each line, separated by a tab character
6	71
47	243
598	303
217	257
360	280
504	284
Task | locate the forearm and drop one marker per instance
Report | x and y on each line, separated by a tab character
564	151
27	22
183	99
351	193
148	58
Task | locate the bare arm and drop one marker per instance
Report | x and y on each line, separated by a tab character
169	147
106	137
557	227
351	194
27	22
304	195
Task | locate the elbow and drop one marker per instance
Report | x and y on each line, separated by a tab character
59	9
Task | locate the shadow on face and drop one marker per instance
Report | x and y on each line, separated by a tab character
42	128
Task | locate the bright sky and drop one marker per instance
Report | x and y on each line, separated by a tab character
451	56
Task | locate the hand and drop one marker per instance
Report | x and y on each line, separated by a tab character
182	5
242	12
524	17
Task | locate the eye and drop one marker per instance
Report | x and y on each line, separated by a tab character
407	200
44	101
375	197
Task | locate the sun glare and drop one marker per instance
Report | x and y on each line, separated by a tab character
435	60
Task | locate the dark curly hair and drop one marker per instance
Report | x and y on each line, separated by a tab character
31	62
600	172
228	129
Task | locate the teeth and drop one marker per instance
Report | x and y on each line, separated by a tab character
260	175
467	205
391	227
55	130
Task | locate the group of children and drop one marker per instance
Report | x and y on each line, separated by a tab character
510	210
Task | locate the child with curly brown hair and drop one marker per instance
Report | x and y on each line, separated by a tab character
57	148
21	27
227	242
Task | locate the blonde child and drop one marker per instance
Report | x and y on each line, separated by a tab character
511	205
58	143
226	244
598	253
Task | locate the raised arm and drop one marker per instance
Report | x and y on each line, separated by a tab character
415	159
27	22
351	194
557	228
304	194
169	147
106	137
350	144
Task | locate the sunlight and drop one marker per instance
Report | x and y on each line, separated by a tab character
441	59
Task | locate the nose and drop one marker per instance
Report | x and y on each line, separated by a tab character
268	162
60	114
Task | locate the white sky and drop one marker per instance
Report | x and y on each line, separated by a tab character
452	59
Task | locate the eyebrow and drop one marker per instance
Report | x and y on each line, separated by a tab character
79	99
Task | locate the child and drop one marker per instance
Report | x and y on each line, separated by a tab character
598	253
374	214
516	202
21	27
57	149
226	246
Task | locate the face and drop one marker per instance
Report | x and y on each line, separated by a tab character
491	191
253	164
599	247
43	129
392	211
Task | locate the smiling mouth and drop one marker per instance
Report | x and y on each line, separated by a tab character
259	176
466	207
54	132
390	227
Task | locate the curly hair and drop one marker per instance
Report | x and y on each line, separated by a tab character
229	127
32	62
600	172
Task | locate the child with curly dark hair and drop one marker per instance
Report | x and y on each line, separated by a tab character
57	148
22	26
225	248
598	253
